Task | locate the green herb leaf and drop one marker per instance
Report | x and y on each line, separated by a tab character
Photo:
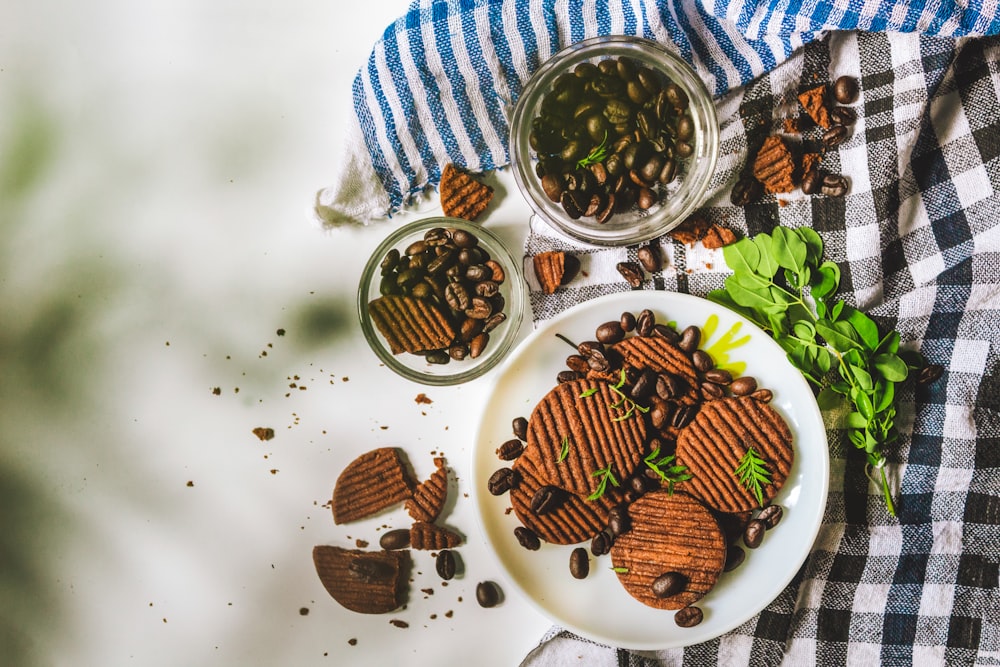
564	448
620	570
789	249
606	475
891	367
753	474
596	154
669	475
589	392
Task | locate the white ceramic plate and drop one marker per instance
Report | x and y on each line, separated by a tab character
598	607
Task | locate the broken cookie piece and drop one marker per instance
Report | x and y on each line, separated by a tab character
774	166
429	496
553	268
816	104
411	324
461	195
374	481
368	582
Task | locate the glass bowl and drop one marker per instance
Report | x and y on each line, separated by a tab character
582	108
447	316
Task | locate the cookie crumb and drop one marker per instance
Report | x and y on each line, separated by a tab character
263	432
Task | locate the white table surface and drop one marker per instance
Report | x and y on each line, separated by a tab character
157	163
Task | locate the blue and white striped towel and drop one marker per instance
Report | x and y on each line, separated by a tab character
441	83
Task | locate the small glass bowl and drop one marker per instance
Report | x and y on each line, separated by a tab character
416	366
674	201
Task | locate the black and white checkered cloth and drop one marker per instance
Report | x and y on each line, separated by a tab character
917	240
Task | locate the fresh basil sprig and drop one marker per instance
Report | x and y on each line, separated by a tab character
782	283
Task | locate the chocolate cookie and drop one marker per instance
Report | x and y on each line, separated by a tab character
774	166
568	518
671	535
712	445
580	428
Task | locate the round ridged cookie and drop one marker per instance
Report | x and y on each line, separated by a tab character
571	519
713	444
670	533
575	431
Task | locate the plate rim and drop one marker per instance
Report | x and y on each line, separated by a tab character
671	299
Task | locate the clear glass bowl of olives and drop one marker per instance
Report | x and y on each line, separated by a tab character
614	140
441	300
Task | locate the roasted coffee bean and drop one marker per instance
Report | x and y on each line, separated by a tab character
497	274
601	543
771	516
546	499
445	564
812	180
395	539
746	190
369	570
660	413
510	449
598	362
645	322
478	344
638	484
669	583
469	329
929	374
486	288
669	386
753	535
571	266
834	185
645	385
519	427
835	136
479	308
578	363
683	416
438	357
502	481
568	376
702	361
734	558
845	90
645	198
631	272
553	185
487	594
665	331
844	116
456	296
493	321
618	520
719	376
390	261
762	395
579	563
527	538
688	617
416	248
743	386
649	258
458	351
627	322
609	332
711	391
690	339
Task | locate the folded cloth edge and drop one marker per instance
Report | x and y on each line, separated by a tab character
357	196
